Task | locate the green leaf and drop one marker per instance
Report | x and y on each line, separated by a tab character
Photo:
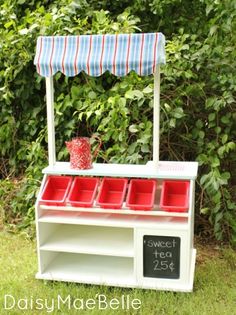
132	148
204	210
214	161
210	102
133	129
122	102
92	95
202	159
178	112
145	148
213	29
24	31
225	175
218	217
147	90
201	134
9	24
217	130
221	151
204	178
199	124
231	145
129	94
224	138
216	197
167	107
75	92
185	47
172	122
211	116
225	119
134	94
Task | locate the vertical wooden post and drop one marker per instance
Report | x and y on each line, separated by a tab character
156	117
50	121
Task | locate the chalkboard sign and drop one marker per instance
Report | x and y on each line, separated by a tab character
161	256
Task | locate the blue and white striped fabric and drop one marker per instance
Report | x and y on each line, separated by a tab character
96	54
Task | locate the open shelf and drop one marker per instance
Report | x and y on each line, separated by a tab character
126	211
115	220
165	170
97	240
92	269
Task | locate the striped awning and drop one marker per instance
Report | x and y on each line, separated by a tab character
96	54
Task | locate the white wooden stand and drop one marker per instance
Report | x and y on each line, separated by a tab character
110	246
105	246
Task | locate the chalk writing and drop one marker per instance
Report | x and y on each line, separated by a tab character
161	256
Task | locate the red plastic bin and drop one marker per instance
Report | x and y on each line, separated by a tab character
141	194
174	196
112	192
55	190
82	192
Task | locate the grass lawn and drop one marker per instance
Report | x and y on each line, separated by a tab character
214	286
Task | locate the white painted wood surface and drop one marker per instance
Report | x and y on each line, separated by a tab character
63	268
156	118
50	121
94	240
124	210
119	220
166	170
97	269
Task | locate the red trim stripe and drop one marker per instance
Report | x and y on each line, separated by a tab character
101	59
89	53
127	57
154	54
76	55
141	55
114	58
64	54
50	63
39	57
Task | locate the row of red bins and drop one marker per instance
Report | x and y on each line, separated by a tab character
81	192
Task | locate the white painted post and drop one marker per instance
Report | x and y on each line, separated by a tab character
50	121
156	117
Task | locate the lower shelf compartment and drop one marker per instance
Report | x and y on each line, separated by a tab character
85	239
113	271
93	269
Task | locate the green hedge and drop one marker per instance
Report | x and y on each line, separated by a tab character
198	112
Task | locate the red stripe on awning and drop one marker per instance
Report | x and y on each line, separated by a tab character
127	57
103	44
64	54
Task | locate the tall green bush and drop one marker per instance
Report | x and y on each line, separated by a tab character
197	96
